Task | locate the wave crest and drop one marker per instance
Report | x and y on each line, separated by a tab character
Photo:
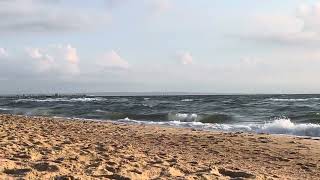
292	100
278	126
286	126
158	117
4	109
85	99
187	100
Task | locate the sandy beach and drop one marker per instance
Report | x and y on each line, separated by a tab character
46	148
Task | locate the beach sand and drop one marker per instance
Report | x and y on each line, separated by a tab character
46	148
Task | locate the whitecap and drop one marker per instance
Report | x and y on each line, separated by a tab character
184	117
293	100
85	99
187	100
101	111
4	109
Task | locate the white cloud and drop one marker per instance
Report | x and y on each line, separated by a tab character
42	16
44	62
310	15
303	26
34	53
249	62
56	63
185	58
112	59
62	59
3	53
71	54
161	6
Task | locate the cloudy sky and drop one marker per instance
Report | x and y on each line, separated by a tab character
235	46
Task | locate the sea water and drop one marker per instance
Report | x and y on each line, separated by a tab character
275	114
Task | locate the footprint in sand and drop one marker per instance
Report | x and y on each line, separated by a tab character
17	172
308	166
44	166
59	160
236	174
92	167
64	178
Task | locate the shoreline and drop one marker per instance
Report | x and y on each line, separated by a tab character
167	126
160	125
43	147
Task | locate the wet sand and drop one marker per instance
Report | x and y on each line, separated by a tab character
46	148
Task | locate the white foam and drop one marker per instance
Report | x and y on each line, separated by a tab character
187	100
285	126
292	100
151	103
183	117
86	99
279	126
101	111
5	109
127	119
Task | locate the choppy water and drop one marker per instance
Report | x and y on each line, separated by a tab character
278	114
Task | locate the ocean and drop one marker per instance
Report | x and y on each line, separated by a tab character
275	114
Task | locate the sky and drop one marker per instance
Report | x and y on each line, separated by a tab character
214	46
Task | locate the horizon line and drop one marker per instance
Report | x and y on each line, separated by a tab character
146	93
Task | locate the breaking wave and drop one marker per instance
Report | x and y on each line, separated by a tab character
5	109
181	117
203	118
293	100
278	126
85	99
286	126
187	100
